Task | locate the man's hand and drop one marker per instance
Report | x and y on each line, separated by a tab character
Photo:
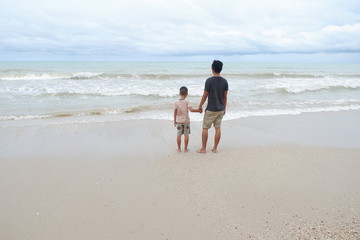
203	100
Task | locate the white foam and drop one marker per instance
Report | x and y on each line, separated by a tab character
278	112
50	76
304	85
86	75
24	117
31	76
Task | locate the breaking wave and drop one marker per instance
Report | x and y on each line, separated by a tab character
50	76
166	76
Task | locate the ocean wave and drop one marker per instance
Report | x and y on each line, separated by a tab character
317	88
31	76
236	103
289	75
97	75
275	75
296	111
169	89
163	113
297	87
170	76
47	116
86	75
103	94
23	117
235	76
93	90
95	112
50	76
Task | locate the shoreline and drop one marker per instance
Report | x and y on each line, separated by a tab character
325	129
282	177
98	116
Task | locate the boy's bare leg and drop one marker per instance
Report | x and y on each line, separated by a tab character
216	139
178	140
186	141
204	141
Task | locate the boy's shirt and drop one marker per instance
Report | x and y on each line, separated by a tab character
182	107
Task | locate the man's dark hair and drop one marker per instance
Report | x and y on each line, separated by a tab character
217	66
183	91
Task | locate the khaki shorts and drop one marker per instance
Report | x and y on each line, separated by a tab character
183	128
212	118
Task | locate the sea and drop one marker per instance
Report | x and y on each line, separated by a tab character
89	91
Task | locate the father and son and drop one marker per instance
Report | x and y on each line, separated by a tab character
215	91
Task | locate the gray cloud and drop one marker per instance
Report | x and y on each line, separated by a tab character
142	28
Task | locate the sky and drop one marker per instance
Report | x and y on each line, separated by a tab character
256	30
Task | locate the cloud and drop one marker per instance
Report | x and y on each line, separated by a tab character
140	28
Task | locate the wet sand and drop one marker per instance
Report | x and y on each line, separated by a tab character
283	177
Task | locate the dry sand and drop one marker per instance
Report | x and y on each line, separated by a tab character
284	177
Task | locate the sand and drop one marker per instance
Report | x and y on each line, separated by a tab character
281	177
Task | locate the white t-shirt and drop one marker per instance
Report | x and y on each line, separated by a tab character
182	107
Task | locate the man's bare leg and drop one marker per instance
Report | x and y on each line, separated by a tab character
186	141
178	140
204	141
216	139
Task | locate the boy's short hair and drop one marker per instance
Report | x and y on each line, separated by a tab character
217	66
183	91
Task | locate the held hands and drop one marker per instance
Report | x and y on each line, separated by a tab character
199	110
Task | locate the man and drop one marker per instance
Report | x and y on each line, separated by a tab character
216	89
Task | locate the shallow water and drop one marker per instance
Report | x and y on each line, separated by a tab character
112	91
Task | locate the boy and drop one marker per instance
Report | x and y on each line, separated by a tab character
181	118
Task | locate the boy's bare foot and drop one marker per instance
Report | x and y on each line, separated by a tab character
186	150
201	150
214	150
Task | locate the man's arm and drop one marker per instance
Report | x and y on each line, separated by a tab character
203	99
225	101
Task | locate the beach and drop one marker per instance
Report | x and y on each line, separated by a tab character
93	96
274	177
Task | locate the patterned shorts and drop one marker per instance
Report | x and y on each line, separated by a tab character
183	128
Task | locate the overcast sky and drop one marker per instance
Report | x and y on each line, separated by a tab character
179	29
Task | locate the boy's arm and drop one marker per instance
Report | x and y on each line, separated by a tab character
203	100
175	113
194	110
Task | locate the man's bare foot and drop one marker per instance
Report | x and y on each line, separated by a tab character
186	150
214	150
179	150
201	150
